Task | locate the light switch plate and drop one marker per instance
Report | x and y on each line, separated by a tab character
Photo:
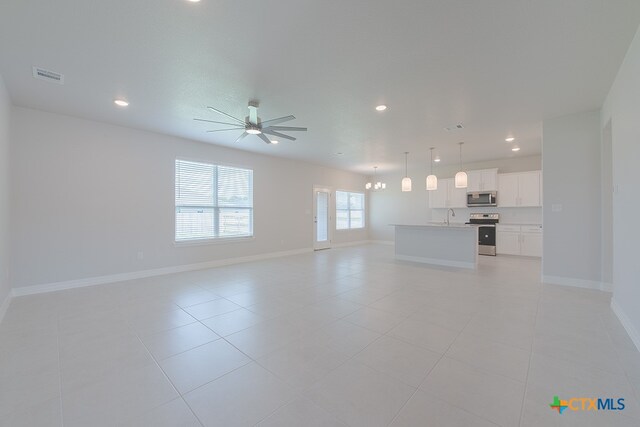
557	207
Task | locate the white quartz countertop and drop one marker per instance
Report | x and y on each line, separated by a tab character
439	225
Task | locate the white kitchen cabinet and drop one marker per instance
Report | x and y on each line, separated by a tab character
531	244
457	196
508	190
507	243
482	180
519	189
438	198
525	240
447	195
474	181
529	188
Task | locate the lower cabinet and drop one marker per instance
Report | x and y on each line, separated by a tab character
507	243
531	244
525	240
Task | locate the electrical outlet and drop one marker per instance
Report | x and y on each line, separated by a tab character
556	207
140	255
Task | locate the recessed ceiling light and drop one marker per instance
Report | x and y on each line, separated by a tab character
339	153
437	159
515	149
274	141
193	1
254	131
381	107
121	103
510	139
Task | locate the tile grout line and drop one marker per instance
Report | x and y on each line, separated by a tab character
168	379
618	352
332	370
427	376
526	382
59	368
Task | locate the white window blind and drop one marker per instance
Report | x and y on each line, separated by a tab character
213	201
349	210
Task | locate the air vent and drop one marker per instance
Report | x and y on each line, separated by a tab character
48	75
457	126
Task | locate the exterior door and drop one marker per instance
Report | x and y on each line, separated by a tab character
321	218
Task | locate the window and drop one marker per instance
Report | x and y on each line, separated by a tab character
349	210
213	201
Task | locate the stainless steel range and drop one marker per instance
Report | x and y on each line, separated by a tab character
486	231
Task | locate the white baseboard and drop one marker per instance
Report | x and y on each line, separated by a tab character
5	305
434	261
578	283
112	278
626	323
347	244
383	242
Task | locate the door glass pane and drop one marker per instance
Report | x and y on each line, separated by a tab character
322	218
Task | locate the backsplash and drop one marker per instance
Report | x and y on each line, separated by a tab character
507	215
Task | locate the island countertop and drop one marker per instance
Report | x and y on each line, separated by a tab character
439	225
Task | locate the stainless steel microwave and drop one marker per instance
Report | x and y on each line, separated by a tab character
486	198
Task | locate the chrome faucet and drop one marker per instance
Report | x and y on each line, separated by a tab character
453	214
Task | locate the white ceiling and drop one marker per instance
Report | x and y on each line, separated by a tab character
498	66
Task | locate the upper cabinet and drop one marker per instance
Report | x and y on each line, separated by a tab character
521	189
447	195
482	180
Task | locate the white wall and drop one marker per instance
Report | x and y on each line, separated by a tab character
5	110
393	206
606	188
622	108
571	153
88	196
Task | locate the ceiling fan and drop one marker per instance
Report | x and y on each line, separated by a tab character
252	125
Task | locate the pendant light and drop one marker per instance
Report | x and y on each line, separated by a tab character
406	181
376	185
461	177
432	180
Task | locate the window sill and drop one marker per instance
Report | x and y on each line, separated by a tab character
218	241
351	229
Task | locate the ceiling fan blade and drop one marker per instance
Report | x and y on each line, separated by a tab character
276	121
222	130
220	123
227	115
278	134
241	137
288	128
264	138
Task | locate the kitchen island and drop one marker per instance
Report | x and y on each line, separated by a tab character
454	245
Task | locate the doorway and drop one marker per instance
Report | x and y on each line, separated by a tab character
321	218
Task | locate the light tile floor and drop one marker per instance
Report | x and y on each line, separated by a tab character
345	337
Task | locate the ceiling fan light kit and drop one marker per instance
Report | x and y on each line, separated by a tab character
252	125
